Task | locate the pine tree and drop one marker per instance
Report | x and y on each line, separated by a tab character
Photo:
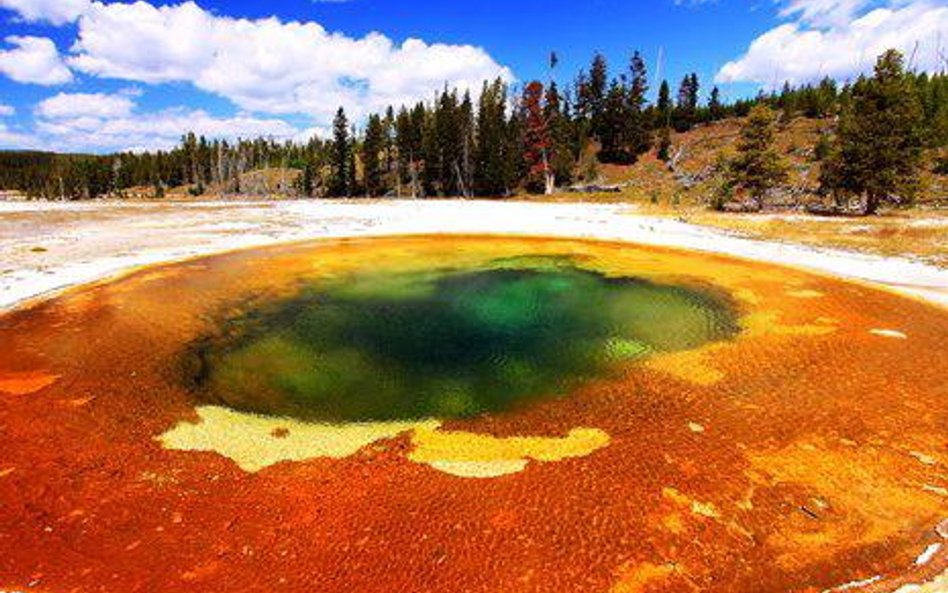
388	148
403	150
351	163
592	90
787	102
341	183
306	183
514	168
686	109
409	141
431	154
490	167
693	90
372	151
468	130
938	129
449	143
757	168
663	107
556	111
826	97
189	148
715	108
625	132
580	128
614	126
877	153
640	137
537	140
664	144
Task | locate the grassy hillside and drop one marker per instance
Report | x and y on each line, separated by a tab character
693	174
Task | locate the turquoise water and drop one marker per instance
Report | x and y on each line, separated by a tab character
447	343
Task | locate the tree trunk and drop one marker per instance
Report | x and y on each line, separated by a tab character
673	163
549	178
461	182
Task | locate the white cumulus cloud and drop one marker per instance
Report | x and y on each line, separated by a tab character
101	105
33	60
7	110
103	122
841	39
267	65
12	139
56	12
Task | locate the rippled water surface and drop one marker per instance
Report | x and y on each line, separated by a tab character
446	343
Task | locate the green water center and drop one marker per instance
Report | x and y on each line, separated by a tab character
447	343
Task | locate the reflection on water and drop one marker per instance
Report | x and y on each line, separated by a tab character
447	343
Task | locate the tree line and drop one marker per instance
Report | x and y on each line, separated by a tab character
500	143
196	163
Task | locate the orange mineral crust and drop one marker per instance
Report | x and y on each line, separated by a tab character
805	454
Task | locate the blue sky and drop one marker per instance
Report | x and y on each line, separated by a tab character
100	76
521	34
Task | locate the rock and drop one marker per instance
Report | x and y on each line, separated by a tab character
592	188
942	529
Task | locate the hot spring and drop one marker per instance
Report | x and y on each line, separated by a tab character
446	413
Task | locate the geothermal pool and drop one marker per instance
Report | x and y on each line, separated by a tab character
445	342
475	413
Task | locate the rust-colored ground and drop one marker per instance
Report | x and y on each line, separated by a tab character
808	453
